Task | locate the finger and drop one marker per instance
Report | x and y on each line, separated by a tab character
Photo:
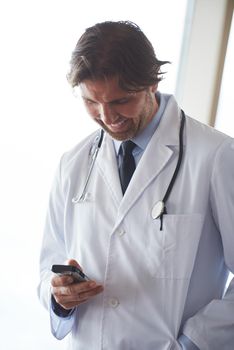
64	280
90	294
72	289
84	286
69	301
72	305
73	262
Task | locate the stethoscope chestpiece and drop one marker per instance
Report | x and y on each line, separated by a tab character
157	210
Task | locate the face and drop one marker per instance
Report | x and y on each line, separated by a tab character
120	113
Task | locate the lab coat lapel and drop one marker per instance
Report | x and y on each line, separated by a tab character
159	151
108	169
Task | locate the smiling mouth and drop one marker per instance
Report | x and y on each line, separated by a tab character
118	125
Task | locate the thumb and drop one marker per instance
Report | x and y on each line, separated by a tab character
73	262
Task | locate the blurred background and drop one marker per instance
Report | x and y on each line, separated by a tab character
40	118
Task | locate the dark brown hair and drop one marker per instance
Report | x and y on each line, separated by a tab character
115	49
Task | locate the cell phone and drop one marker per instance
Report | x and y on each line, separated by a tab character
70	270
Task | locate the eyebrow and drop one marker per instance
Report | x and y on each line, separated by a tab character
113	101
87	98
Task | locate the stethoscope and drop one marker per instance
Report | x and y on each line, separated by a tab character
84	195
159	209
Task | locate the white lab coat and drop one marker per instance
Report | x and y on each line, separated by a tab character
157	284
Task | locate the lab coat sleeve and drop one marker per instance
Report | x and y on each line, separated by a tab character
53	251
212	328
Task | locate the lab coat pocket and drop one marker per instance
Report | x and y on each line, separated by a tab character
172	251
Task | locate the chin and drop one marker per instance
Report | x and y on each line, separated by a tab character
120	136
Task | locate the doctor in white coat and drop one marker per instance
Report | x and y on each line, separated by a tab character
157	281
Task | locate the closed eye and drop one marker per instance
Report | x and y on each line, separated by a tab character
89	102
121	101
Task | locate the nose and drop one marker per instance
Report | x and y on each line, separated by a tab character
106	114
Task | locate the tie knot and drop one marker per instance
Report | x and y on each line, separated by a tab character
127	147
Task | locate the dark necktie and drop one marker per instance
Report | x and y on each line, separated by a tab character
127	165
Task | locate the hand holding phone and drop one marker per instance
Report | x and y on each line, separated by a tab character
70	294
70	270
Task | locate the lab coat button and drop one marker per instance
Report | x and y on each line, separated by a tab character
113	302
121	232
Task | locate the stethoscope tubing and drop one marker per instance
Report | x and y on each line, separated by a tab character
78	199
181	146
162	203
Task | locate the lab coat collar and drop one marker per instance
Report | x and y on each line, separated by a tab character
168	129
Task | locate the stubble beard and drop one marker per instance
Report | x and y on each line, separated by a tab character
144	118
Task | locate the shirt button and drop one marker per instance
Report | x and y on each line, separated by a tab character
113	302
121	232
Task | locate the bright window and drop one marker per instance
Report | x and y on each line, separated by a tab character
225	113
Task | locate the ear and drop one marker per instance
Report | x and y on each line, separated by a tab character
154	88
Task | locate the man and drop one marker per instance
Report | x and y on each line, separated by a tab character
158	249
